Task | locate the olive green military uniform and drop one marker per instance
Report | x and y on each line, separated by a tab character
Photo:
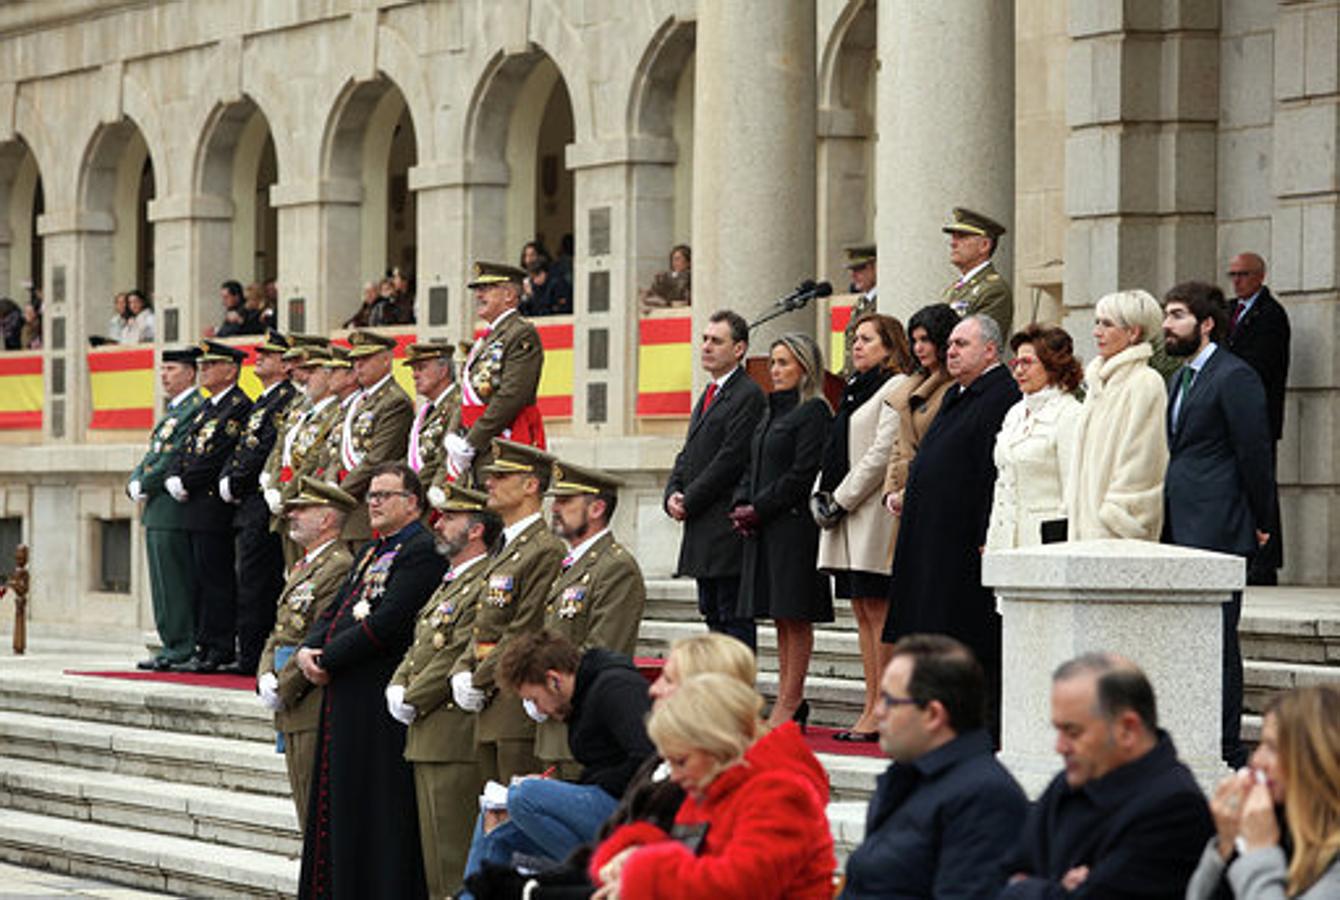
168	545
985	292
309	586
436	418
441	739
868	302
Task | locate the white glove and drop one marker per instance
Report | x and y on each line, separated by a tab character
274	500
467	696
533	711
134	491
176	489
225	493
459	454
268	687
265	480
401	711
437	497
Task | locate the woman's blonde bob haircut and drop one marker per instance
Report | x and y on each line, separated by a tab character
1133	309
1308	720
811	359
711	712
714	652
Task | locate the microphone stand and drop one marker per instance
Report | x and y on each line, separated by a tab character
787	307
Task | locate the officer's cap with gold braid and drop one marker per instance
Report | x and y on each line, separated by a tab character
859	255
968	222
487	274
511	458
304	342
213	351
313	492
309	357
274	343
339	358
368	343
458	499
420	352
185	355
568	480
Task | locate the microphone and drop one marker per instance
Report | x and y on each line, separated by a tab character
804	289
803	294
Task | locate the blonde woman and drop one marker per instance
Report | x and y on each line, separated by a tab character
759	825
1116	483
1297	765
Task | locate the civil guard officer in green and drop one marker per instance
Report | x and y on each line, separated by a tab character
171	572
598	596
863	268
441	738
316	514
518	580
973	238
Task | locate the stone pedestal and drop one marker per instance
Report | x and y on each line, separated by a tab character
1156	604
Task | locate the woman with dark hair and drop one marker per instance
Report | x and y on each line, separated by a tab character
1036	443
855	543
779	578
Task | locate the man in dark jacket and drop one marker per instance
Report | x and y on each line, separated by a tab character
604	701
945	814
707	469
1125	818
937	567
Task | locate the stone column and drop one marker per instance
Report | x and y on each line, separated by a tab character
754	174
319	251
945	118
192	235
1157	604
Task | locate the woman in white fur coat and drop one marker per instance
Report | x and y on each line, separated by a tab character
1116	484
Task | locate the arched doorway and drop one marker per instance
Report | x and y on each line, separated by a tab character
539	204
22	200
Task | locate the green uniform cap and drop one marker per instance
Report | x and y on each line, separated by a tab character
339	358
420	352
213	351
309	340
313	492
568	480
274	343
184	355
511	458
487	273
859	255
309	357
968	222
369	343
459	499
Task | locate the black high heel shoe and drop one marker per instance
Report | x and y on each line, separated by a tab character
802	716
857	737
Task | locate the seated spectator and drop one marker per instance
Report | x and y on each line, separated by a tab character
360	318
945	814
237	319
139	328
531	252
385	308
11	324
1125	818
671	288
30	334
402	292
258	306
116	325
603	700
752	825
1294	771
545	293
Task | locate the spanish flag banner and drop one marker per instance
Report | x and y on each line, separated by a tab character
665	366
21	390
121	382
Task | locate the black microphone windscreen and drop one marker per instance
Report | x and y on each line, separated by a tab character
823	289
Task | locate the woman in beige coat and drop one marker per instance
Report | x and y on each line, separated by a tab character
1116	484
1036	442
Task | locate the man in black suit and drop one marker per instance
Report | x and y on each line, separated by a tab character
937	566
194	482
1259	333
1219	492
706	471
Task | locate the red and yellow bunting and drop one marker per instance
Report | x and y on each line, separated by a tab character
21	391
121	383
665	366
839	314
554	394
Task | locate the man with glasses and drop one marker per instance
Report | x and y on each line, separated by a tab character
945	813
362	837
1259	333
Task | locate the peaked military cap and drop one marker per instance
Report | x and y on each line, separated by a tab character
487	273
568	480
367	343
308	357
420	352
185	355
274	343
859	255
511	458
455	498
314	492
966	221
339	358
309	340
213	351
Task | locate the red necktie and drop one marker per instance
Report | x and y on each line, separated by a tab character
1237	314
710	396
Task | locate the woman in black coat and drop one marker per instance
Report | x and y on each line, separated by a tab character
779	578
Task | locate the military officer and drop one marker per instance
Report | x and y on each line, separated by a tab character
376	424
294	440
517	583
439	411
862	265
260	553
344	387
598	596
168	544
973	239
441	738
501	374
316	514
193	481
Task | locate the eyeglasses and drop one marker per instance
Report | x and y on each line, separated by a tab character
890	701
383	496
1238	273
1022	362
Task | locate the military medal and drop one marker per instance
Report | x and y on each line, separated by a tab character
439	641
361	610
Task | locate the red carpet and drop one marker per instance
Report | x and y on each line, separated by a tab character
230	682
821	740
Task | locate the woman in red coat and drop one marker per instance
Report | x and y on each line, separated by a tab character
754	824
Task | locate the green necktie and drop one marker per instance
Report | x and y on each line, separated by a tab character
1188	375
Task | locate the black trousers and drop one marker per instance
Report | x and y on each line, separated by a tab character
717	600
260	579
216	592
1235	754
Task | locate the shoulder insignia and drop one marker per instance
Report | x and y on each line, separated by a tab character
993	277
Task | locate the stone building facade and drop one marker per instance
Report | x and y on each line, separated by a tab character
172	144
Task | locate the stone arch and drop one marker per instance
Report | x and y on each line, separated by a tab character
21	202
400	63
235	166
660	105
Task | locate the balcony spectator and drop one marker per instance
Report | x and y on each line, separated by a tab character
11	324
545	293
30	336
237	319
139	329
121	315
671	288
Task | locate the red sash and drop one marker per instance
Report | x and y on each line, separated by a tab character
526	428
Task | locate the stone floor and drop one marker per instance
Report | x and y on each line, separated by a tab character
17	883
